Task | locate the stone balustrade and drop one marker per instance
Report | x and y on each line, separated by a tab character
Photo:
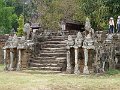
14	52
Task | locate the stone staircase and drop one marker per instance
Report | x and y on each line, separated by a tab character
52	56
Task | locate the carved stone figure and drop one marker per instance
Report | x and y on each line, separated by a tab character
27	29
7	43
70	41
87	24
33	33
109	38
15	40
88	42
88	28
21	42
79	39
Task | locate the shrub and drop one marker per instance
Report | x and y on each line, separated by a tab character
21	25
113	71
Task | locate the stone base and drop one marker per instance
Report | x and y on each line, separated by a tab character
76	71
11	69
103	70
69	71
85	70
18	68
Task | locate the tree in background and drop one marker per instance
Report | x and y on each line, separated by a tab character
96	11
49	12
114	7
10	10
21	25
6	17
52	11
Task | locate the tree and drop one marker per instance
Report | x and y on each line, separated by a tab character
49	12
21	25
52	11
96	11
6	17
113	6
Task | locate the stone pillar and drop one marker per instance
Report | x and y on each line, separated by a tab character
4	55
76	69
86	71
103	66
11	59
5	58
69	68
19	60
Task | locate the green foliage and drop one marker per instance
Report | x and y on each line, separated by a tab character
54	10
21	25
50	12
6	17
14	21
99	11
112	72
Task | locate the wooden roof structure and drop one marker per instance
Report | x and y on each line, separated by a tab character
35	26
74	25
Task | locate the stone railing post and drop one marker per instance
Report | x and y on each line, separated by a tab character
19	60
5	58
86	71
76	69
103	66
11	59
4	55
69	68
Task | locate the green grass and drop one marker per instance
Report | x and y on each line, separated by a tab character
33	80
112	72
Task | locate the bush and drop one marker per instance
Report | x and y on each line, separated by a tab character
113	71
21	25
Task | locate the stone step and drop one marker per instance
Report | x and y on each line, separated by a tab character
56	39
62	37
54	42
46	64
44	58
46	68
50	46
58	36
53	54
47	61
53	46
53	51
61	60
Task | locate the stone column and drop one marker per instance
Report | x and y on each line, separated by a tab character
19	60
4	50
11	59
86	71
69	68
76	69
4	58
103	66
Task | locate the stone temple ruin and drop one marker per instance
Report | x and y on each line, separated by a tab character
78	52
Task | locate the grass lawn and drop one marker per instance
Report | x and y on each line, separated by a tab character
33	80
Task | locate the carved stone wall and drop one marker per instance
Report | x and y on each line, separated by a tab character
3	39
81	59
1	52
24	60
